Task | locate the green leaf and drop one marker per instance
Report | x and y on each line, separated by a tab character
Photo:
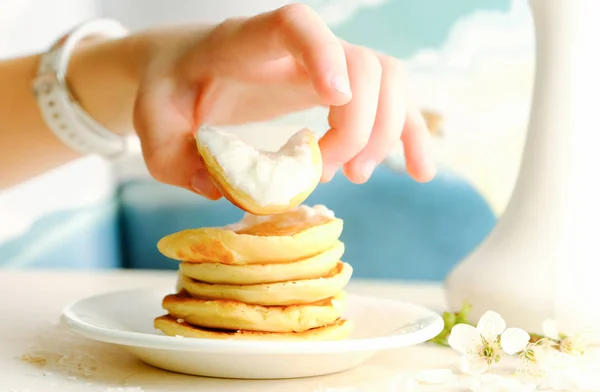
450	320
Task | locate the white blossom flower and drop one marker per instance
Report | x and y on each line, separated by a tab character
514	340
542	358
572	345
482	346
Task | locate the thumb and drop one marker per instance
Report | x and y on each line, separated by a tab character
178	163
167	140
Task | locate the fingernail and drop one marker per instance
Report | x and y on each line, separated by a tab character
202	184
329	172
367	168
341	84
426	170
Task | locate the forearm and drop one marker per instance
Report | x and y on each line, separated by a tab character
103	77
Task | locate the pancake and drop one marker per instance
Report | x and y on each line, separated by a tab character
312	267
292	292
235	315
301	154
338	330
294	235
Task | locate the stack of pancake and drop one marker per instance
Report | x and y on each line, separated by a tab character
274	277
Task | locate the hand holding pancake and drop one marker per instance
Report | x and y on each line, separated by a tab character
259	68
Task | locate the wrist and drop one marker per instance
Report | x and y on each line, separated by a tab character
104	76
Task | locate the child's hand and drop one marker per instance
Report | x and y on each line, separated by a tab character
262	67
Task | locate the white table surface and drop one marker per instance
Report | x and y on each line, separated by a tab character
30	304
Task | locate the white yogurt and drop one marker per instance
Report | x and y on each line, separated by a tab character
307	212
269	178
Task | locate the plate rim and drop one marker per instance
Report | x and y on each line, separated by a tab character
74	324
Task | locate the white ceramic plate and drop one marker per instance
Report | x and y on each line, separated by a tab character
126	318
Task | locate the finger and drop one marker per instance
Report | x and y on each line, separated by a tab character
203	184
418	152
297	30
389	121
167	140
351	124
177	163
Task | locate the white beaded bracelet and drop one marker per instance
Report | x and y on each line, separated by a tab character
63	115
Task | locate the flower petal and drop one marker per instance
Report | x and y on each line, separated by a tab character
464	338
491	325
473	365
514	340
550	329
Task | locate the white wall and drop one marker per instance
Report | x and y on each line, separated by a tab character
31	25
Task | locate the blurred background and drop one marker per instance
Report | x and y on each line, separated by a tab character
471	71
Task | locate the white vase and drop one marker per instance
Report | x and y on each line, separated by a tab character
542	260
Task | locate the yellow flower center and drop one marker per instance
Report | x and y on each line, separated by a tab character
491	352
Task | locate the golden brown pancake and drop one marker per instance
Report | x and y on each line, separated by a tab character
338	330
234	315
244	201
293	235
292	292
312	267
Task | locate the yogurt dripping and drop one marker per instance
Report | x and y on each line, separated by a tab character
306	212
